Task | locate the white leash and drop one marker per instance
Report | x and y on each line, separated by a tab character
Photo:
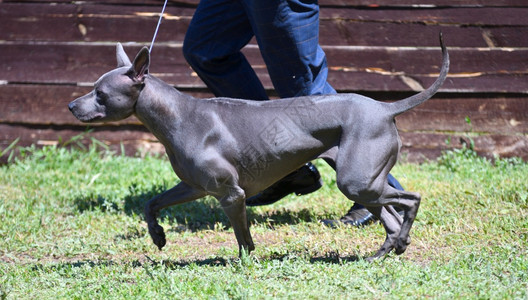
157	27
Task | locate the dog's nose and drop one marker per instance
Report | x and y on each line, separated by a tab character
71	106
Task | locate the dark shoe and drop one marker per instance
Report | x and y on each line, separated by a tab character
301	182
357	216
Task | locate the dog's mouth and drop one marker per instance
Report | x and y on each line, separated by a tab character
91	118
83	115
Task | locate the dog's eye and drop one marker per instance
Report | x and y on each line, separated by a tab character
100	97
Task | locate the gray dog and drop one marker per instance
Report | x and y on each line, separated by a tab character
232	149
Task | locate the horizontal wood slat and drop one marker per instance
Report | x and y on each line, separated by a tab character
465	27
344	3
48	105
132	139
418	146
487	114
351	68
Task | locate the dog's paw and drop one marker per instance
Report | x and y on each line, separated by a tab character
372	258
384	250
157	234
401	245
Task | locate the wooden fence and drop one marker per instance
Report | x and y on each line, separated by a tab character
52	51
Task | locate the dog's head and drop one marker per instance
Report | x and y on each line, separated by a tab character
116	92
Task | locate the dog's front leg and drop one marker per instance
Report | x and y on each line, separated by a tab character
234	206
181	193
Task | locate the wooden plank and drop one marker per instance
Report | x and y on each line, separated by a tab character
344	33
343	3
411	60
488	114
446	16
425	3
486	70
50	134
465	27
140	22
133	139
506	36
351	68
72	63
418	146
158	3
350	81
38	104
462	27
22	21
48	105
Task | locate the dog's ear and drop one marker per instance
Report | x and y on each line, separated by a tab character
122	58
140	66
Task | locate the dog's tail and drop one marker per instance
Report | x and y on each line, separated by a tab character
406	104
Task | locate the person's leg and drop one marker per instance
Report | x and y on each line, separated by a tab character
287	33
218	31
394	182
288	36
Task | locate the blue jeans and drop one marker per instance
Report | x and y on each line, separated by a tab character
287	33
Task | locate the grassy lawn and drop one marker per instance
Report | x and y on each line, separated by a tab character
71	227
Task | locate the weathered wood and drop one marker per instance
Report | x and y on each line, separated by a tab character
344	3
40	104
132	139
477	114
389	69
447	16
51	134
84	22
415	34
465	27
417	146
351	68
48	104
424	3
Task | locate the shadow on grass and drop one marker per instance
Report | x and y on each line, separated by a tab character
202	214
328	258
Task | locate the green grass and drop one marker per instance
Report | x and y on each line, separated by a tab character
71	228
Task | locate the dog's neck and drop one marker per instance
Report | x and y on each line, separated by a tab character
159	107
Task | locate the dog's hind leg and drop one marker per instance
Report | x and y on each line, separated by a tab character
181	193
409	202
392	222
364	180
234	205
